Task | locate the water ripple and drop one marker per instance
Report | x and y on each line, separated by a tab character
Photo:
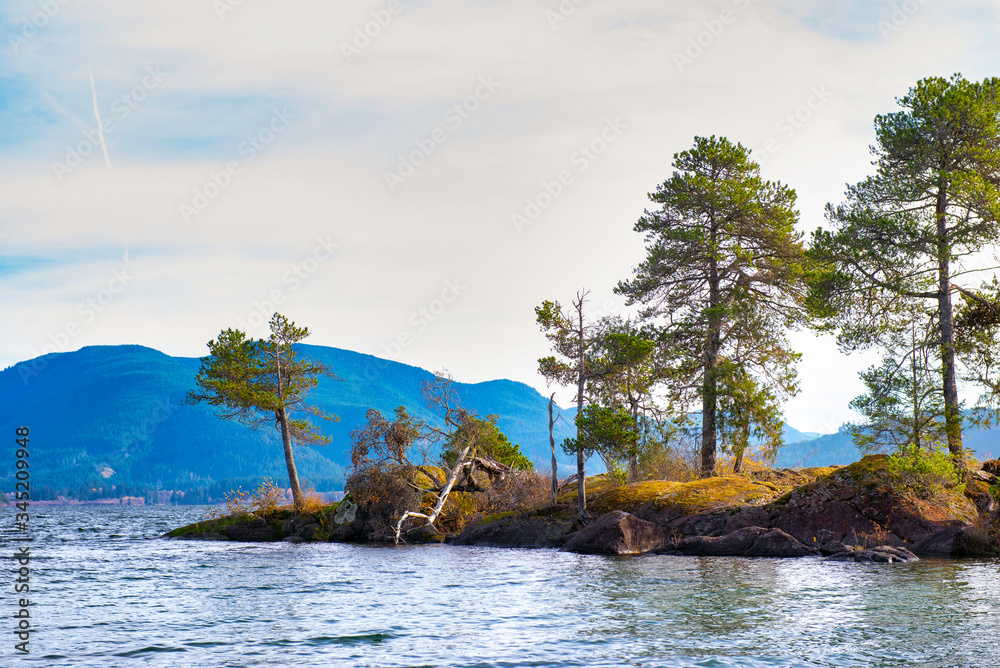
108	596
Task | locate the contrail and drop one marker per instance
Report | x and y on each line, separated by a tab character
104	146
97	114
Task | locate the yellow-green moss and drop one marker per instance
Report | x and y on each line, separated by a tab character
275	519
816	472
685	497
497	516
210	526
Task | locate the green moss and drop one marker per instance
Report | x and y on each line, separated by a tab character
817	472
685	497
210	526
275	520
497	516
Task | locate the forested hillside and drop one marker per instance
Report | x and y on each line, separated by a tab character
108	416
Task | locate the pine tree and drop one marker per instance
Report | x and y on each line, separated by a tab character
906	233
264	381
724	277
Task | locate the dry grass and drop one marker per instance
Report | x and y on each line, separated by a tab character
264	501
312	502
682	463
519	490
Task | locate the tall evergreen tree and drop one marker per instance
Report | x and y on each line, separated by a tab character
262	381
907	233
724	275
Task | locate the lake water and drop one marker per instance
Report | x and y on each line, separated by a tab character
105	592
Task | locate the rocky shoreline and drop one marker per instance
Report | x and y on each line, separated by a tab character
859	512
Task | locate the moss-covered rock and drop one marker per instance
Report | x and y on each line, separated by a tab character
861	504
280	524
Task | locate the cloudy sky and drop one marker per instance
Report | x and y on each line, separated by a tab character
410	179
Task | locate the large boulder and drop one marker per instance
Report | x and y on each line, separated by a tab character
746	542
616	532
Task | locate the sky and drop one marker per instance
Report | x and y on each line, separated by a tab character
410	179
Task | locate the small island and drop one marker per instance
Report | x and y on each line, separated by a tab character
726	278
869	510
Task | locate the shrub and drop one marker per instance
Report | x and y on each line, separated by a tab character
925	471
383	493
262	502
312	501
679	463
519	490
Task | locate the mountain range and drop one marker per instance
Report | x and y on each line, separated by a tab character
111	420
115	415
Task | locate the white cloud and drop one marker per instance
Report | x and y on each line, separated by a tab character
451	219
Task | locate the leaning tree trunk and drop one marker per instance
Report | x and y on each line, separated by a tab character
293	475
442	497
286	437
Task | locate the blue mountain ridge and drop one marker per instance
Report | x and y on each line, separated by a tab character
117	414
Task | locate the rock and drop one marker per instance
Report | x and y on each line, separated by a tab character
884	554
308	531
746	542
295	524
424	534
254	530
293	539
992	467
616	532
344	534
529	529
860	503
208	535
948	542
304	526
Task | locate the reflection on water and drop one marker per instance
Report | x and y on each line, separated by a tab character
106	594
